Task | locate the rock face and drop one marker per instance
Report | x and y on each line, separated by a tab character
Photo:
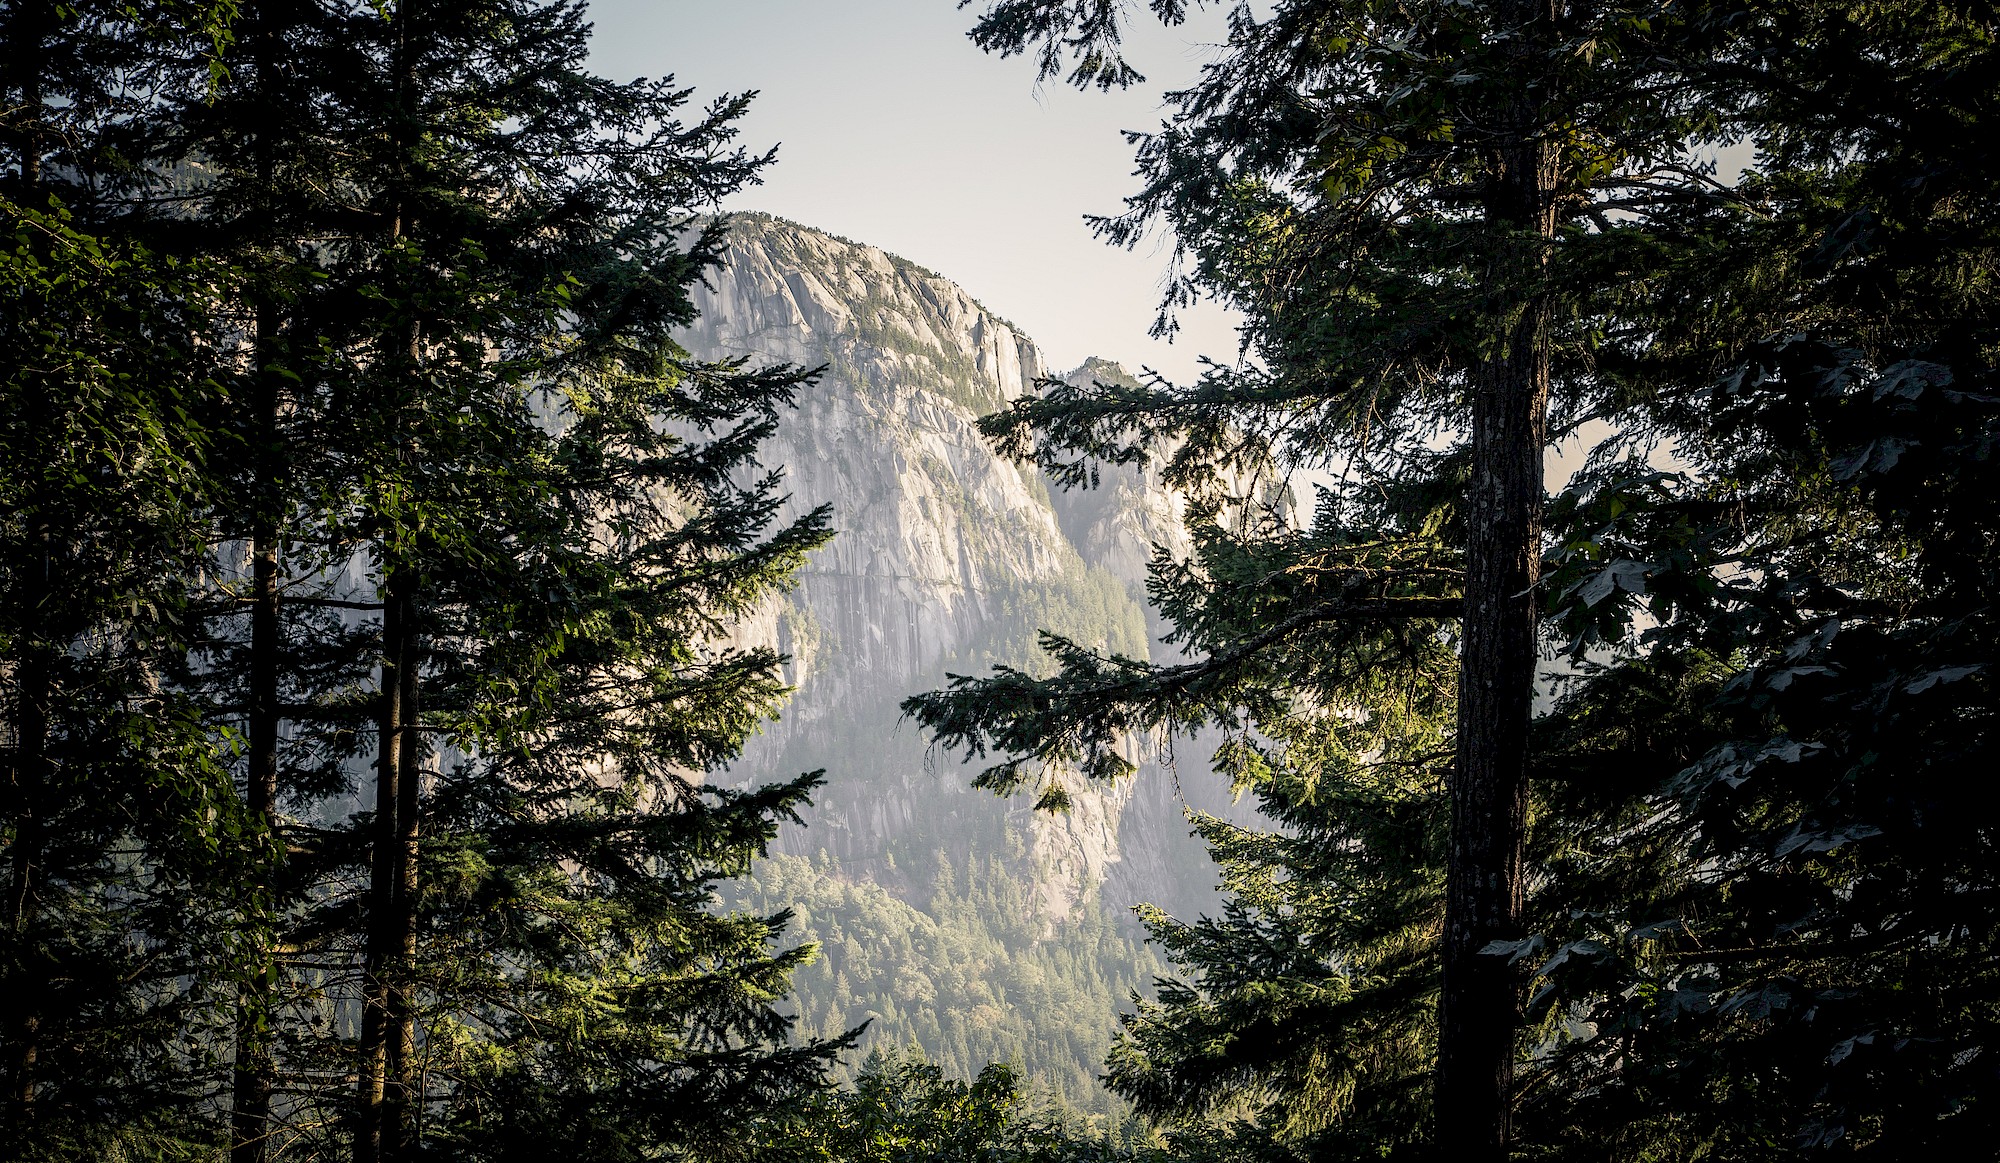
1130	513
948	559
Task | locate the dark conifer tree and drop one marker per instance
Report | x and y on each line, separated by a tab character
257	181
1311	998
119	827
475	522
118	814
1427	214
1770	930
557	516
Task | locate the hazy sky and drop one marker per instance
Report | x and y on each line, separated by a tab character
894	130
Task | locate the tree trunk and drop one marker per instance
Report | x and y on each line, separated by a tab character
402	1098
384	875
1479	1008
386	1118
34	677
250	1112
383	1109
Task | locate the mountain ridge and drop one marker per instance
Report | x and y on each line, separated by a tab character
947	558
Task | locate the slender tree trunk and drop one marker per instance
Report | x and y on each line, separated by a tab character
250	1113
251	1110
387	1109
389	1045
402	1098
392	937
384	875
1479	1009
34	677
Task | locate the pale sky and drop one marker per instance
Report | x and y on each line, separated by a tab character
894	130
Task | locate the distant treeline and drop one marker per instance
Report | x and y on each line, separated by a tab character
970	973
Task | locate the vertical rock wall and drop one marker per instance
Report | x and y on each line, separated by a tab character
945	556
947	559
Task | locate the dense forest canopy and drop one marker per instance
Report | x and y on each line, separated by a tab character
369	541
371	551
1686	911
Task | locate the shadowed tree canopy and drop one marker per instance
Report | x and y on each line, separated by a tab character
1351	177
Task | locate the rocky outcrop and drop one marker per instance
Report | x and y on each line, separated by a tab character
931	525
1130	513
947	559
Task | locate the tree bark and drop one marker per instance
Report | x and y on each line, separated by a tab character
383	877
383	1108
1479	1007
386	1118
251	1109
34	677
401	1099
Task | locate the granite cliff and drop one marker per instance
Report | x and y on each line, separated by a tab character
947	559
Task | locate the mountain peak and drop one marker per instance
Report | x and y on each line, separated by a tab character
1097	369
948	559
887	325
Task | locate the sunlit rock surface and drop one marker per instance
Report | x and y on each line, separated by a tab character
948	559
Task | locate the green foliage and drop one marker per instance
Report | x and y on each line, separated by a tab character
550	500
1787	948
1308	1005
968	971
122	841
121	831
1767	930
1753	851
513	524
903	1109
1776	939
